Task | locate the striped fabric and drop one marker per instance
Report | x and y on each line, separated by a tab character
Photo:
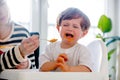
11	55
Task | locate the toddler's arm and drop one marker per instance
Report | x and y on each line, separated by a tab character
61	63
48	66
80	68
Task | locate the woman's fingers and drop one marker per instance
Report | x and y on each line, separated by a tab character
29	45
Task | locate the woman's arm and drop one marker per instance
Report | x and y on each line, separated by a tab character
16	55
11	58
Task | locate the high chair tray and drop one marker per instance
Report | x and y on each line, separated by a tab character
36	75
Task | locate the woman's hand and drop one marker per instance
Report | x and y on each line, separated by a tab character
29	45
23	65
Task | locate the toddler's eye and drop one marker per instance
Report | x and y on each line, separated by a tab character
65	25
75	26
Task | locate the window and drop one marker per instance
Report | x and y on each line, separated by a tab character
92	8
20	11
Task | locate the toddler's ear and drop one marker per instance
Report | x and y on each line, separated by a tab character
84	33
58	28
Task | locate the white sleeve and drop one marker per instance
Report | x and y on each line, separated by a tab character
46	56
86	58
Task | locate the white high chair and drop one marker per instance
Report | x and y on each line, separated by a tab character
99	51
97	48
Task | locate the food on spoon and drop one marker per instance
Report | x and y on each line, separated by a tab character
53	40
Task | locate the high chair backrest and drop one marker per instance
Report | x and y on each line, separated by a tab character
36	52
99	50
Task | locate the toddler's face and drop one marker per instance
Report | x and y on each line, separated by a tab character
70	30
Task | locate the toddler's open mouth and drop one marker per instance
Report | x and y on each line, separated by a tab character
69	37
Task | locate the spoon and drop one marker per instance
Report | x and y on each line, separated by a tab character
51	40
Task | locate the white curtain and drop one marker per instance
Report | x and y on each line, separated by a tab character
113	11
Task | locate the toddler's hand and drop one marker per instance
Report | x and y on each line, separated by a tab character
61	62
23	65
64	56
29	45
63	67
